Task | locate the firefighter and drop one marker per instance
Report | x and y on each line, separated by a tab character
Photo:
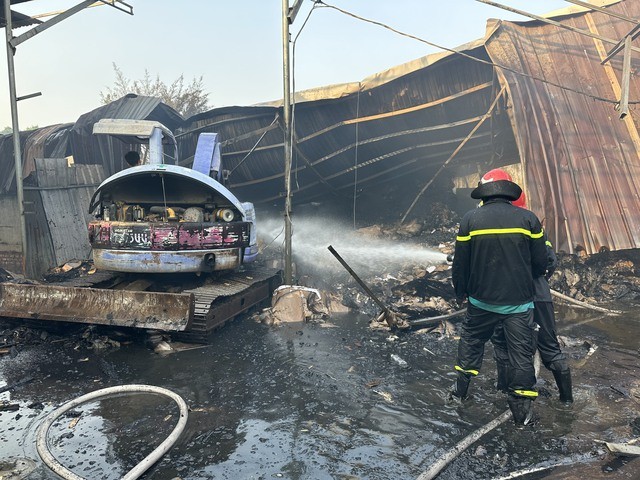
547	341
499	250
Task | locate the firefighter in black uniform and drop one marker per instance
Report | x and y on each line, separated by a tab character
546	339
499	250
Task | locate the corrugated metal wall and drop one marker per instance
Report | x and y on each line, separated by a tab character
582	163
57	221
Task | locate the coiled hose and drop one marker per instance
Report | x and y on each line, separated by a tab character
140	468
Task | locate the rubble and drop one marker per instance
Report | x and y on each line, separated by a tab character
293	303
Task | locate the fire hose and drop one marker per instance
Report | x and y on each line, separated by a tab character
140	468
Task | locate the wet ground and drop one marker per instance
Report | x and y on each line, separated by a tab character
322	400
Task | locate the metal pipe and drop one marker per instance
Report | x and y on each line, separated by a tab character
17	154
286	106
384	308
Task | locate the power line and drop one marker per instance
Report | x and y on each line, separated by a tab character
466	55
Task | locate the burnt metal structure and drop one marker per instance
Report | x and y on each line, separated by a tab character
384	138
555	123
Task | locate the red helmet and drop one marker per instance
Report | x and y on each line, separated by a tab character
496	183
520	202
499	174
495	174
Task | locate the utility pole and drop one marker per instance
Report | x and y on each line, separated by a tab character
288	16
17	154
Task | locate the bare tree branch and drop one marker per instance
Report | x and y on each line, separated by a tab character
188	99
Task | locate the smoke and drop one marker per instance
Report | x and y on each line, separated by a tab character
364	254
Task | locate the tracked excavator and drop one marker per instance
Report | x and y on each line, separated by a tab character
174	250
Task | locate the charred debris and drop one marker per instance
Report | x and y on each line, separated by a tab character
412	290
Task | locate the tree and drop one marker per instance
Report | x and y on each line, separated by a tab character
7	130
185	99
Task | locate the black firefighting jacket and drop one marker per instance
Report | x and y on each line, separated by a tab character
540	284
499	249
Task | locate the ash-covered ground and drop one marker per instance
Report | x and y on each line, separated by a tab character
332	397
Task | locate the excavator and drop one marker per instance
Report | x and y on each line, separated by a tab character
173	249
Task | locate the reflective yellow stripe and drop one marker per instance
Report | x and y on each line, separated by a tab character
548	244
500	231
460	369
526	393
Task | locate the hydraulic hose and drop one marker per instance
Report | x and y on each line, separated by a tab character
140	468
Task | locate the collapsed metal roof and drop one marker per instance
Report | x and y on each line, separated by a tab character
399	127
581	162
88	148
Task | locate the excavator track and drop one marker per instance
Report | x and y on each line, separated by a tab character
222	301
190	308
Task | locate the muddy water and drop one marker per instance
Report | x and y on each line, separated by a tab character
321	401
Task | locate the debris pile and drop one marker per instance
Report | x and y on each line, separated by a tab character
602	277
292	303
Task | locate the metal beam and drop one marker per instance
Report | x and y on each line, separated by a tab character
17	154
15	41
553	22
28	96
293	11
286	107
100	3
115	4
635	31
603	10
626	78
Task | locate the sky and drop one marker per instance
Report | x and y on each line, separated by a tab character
234	45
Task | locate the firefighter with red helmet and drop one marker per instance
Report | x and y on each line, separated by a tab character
552	356
499	249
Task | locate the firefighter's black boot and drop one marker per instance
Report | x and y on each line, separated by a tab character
521	410
461	386
563	380
503	377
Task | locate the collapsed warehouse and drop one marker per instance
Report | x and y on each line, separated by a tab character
530	97
534	97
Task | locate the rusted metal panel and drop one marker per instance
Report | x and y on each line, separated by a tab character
162	311
582	163
174	261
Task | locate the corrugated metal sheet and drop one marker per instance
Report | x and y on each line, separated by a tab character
40	144
582	163
7	163
397	128
103	150
58	217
